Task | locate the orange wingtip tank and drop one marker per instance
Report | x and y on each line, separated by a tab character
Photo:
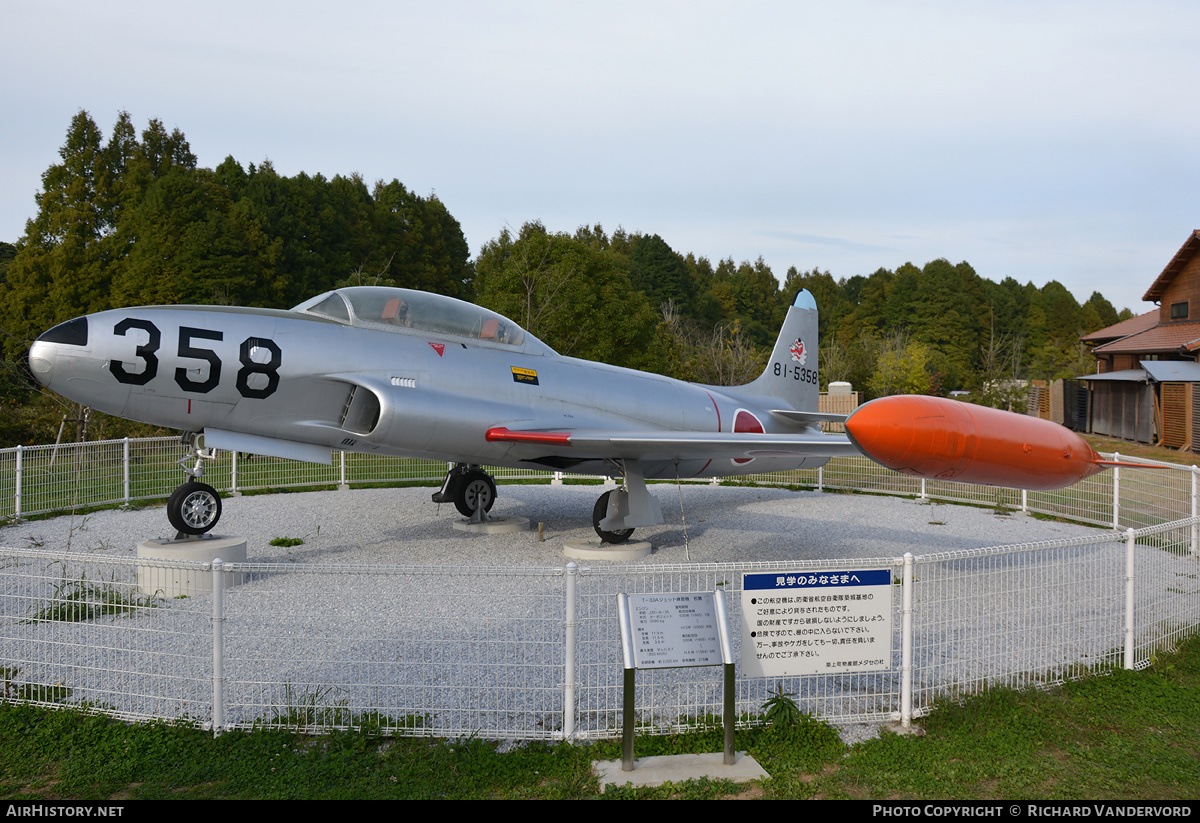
941	439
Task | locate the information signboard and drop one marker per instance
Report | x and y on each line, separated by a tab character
674	630
829	622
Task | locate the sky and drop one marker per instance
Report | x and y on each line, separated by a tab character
1040	141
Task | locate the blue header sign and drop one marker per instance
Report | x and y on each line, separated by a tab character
816	622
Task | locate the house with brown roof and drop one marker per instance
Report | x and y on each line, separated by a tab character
1147	376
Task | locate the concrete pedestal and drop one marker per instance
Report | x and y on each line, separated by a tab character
599	550
499	525
165	581
676	768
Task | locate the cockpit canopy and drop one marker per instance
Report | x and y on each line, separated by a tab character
390	309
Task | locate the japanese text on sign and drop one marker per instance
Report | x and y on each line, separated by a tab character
816	622
671	630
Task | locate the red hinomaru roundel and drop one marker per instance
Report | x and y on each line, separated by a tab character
744	421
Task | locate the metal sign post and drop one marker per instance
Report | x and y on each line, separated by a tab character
670	631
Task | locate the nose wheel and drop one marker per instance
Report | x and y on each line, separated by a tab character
194	508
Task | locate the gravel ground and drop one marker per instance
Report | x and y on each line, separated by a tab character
386	527
723	523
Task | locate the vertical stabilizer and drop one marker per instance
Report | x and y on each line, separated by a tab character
791	373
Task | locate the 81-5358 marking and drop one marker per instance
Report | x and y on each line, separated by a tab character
796	373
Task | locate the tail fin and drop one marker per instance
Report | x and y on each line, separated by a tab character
791	372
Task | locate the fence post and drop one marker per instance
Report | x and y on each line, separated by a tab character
218	649
17	493
1129	599
1195	527
126	462
1116	503
570	614
906	644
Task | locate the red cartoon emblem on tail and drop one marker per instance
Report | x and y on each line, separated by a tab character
798	352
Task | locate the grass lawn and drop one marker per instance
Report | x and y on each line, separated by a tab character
1121	736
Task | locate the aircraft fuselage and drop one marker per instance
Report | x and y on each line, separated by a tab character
294	378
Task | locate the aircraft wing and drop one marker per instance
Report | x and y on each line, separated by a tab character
664	445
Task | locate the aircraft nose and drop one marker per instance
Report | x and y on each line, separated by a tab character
41	361
44	350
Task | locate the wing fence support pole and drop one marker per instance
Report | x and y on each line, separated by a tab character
1129	543
570	618
906	645
218	649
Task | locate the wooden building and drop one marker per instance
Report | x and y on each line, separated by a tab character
1147	378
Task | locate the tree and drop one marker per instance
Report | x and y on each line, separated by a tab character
427	244
832	306
659	273
720	356
194	246
1057	316
571	295
1097	313
946	317
1000	386
58	263
900	366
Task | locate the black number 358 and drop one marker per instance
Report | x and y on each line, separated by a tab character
248	357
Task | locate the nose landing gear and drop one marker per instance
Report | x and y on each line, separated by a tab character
194	508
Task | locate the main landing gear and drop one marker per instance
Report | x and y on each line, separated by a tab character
618	511
470	489
599	512
195	507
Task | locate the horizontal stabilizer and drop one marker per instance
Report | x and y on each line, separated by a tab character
793	416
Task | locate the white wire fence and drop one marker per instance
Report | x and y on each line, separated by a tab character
534	653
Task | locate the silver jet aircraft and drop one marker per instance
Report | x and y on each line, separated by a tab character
400	372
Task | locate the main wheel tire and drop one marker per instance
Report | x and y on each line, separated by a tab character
599	512
194	508
476	489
